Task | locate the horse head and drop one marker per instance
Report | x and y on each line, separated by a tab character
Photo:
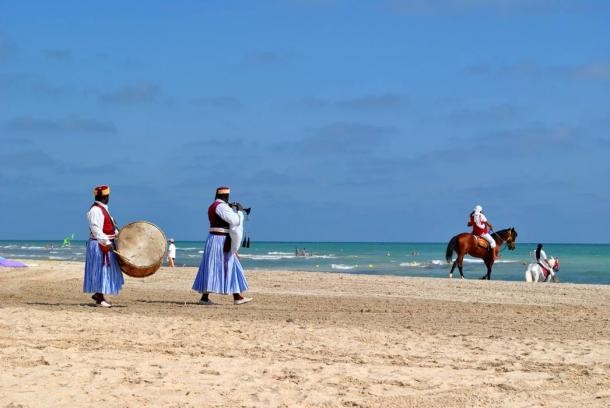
510	237
554	262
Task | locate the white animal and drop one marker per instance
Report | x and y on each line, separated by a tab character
534	272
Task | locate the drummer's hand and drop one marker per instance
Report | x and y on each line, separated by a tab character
240	207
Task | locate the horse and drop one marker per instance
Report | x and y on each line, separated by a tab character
467	243
534	272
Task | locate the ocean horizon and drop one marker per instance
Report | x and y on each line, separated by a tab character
580	263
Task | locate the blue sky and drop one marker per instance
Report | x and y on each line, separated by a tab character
335	120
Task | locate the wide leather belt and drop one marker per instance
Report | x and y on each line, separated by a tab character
219	231
110	237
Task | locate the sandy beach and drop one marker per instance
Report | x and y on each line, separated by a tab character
307	340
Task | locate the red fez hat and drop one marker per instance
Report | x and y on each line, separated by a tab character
103	190
223	190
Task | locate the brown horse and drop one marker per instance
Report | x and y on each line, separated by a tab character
466	243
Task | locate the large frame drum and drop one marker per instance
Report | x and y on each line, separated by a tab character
140	248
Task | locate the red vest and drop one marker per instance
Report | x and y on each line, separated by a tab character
476	230
108	227
215	220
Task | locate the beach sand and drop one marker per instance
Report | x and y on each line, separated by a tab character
307	340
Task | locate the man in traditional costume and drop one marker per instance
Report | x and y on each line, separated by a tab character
220	270
103	275
481	227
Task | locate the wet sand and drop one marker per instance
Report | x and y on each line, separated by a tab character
307	340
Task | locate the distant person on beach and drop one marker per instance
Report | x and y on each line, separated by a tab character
220	270
103	275
481	227
171	253
542	260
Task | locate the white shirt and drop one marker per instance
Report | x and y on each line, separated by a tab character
479	219
224	211
96	223
236	223
171	251
543	258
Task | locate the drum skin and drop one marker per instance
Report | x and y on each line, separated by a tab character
140	248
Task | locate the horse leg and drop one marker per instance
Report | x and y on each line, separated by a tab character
488	264
459	261
452	268
488	259
529	274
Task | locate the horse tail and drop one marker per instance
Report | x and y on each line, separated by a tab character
450	249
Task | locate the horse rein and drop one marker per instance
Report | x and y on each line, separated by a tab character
504	241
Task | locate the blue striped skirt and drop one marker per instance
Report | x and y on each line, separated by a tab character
100	278
219	272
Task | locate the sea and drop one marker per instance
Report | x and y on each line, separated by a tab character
579	263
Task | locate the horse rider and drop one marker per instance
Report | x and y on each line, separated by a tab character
542	260
481	227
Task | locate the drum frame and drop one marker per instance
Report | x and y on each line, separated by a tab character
136	271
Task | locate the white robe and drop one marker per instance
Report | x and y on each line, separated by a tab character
237	233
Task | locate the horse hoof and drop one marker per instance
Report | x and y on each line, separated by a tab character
462	277
450	276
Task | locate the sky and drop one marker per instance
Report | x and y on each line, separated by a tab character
334	120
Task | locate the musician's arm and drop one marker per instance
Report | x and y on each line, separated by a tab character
226	213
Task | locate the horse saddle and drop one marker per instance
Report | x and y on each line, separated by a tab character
481	241
543	270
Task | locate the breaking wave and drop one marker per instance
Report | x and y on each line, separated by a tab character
343	267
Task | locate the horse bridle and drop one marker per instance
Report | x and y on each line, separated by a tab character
507	240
